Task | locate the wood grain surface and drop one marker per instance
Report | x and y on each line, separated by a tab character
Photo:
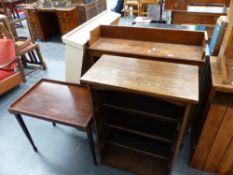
168	80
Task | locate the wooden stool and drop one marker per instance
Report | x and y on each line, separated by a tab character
72	107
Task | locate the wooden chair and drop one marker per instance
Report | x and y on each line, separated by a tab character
144	5
11	71
26	49
134	4
218	34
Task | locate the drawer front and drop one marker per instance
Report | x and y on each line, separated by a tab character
63	14
65	29
64	20
67	20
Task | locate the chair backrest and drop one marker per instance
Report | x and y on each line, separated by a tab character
7	50
218	34
7	27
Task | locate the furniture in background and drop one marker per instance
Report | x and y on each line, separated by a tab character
198	12
218	34
41	19
214	150
131	6
183	4
12	6
76	112
76	42
11	72
2	10
27	50
141	109
64	18
89	10
144	5
148	43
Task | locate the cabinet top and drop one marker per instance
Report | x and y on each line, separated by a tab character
170	81
41	8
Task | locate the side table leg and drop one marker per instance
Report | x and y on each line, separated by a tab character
91	145
54	124
25	130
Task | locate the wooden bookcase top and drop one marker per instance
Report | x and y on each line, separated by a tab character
171	81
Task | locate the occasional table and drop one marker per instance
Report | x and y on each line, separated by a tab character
57	102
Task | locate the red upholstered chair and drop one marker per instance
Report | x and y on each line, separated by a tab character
26	49
11	72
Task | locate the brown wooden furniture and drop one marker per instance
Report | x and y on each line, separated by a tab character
11	72
141	108
26	49
40	21
72	107
89	10
12	6
148	43
218	34
197	12
144	5
131	6
183	4
214	151
227	44
210	2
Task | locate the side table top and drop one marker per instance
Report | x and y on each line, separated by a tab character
56	101
160	79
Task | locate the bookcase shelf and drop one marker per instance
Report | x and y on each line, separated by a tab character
134	124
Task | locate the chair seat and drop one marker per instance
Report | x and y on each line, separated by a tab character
5	74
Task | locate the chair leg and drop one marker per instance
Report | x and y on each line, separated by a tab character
25	130
91	145
54	124
41	58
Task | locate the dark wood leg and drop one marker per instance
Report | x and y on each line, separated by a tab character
91	145
54	124
25	130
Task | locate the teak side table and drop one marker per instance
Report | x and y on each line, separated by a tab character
57	102
141	109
